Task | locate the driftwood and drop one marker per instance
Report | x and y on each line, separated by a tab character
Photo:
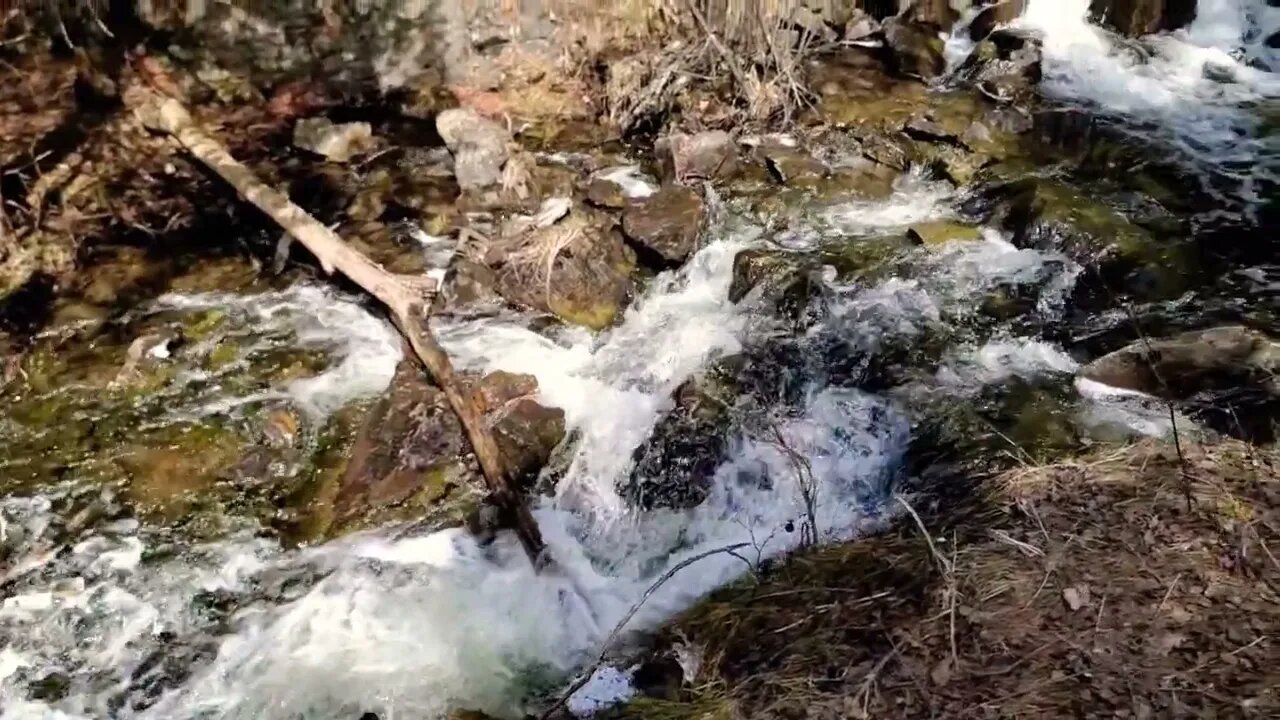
405	297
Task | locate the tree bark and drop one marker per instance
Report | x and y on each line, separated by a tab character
403	296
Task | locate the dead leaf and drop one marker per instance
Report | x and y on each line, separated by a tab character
1076	597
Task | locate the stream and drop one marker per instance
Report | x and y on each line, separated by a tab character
207	615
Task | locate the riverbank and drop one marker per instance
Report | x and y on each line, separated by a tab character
1126	580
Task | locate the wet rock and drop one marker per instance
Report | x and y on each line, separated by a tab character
916	50
336	142
940	13
410	448
675	466
1143	17
1005	67
578	269
1005	11
479	147
938	232
606	194
1183	365
664	228
789	164
710	155
1048	215
527	433
499	388
783	282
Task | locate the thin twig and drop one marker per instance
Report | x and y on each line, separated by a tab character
590	671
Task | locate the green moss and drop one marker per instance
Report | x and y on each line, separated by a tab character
595	316
939	232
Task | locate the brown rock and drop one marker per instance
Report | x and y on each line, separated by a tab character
527	433
479	147
499	388
1002	12
702	156
578	268
1143	17
666	225
1180	366
335	142
411	439
916	49
789	164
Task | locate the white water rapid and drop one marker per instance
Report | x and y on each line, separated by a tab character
1197	89
136	623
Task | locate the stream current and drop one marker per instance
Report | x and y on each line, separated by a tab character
134	621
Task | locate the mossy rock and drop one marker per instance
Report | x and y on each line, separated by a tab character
939	232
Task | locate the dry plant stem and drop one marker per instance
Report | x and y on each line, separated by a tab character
402	296
590	671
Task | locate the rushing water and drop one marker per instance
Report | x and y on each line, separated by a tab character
133	621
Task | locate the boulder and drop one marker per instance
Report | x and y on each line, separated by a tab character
336	142
410	447
1005	66
915	49
788	164
526	433
1183	365
710	155
479	147
1143	17
675	466
940	13
411	452
578	269
1005	11
664	228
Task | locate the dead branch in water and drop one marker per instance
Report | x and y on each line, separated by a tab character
590	671
405	297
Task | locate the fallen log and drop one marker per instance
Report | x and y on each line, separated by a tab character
405	297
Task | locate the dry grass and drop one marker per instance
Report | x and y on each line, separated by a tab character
659	55
1077	589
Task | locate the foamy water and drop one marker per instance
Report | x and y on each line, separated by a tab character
123	621
1195	89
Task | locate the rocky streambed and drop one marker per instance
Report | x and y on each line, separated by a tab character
1003	238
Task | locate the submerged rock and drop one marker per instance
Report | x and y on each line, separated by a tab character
338	143
938	232
789	164
479	147
665	226
1143	17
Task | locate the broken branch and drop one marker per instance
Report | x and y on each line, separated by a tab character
404	297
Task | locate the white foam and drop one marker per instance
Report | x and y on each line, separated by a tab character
1000	359
364	349
407	624
634	183
1195	91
